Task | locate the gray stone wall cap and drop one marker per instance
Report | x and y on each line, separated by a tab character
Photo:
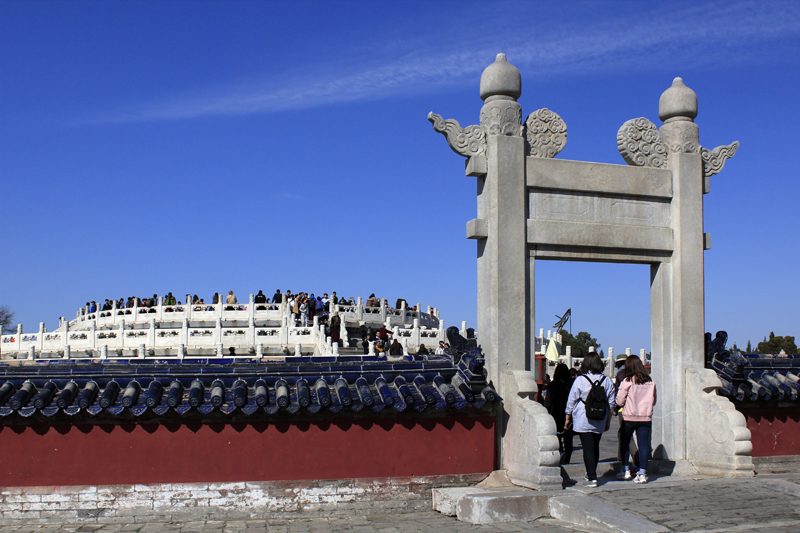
677	102
501	78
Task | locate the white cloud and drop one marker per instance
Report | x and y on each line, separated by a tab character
712	34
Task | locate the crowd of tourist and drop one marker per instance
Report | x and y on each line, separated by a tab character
303	306
583	401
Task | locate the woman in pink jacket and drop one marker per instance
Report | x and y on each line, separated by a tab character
637	396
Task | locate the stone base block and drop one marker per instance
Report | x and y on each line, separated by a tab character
489	506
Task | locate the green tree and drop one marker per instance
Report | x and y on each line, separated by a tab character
749	348
775	344
580	343
6	319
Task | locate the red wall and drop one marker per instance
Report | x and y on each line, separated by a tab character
260	451
774	431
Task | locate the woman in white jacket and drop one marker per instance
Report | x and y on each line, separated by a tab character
589	430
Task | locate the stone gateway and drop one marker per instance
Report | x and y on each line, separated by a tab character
650	211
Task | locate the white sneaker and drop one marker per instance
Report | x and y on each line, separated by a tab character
591	483
641	477
624	475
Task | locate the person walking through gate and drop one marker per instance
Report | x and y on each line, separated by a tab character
556	402
637	396
588	411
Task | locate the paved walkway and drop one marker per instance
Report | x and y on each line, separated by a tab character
765	504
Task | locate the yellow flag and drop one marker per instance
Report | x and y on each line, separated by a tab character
552	351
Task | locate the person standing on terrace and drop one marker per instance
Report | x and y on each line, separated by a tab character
231	299
277	297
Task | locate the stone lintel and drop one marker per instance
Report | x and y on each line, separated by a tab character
477	228
598	177
598	255
476	166
625	237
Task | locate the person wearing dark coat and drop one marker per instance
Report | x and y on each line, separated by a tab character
396	348
556	403
423	350
260	298
336	325
277	297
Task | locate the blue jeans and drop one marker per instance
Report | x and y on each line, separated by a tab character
642	430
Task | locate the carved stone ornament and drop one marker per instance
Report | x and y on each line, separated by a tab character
681	137
545	134
640	144
468	142
714	160
502	117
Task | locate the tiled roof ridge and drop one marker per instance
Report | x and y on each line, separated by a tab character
109	388
753	377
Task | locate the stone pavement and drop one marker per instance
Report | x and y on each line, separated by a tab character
765	504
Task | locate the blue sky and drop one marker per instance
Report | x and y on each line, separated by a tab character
201	147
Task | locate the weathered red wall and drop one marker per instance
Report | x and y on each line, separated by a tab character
774	431
261	451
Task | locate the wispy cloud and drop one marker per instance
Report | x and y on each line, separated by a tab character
723	33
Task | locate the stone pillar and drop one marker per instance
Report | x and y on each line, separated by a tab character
676	288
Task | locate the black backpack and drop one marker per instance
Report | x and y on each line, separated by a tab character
596	402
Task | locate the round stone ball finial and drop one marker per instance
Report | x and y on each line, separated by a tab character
677	102
501	78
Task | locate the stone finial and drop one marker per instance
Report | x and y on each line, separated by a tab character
678	102
501	78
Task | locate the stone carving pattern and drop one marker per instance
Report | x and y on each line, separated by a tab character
530	447
717	436
467	142
502	117
680	137
714	160
545	134
640	144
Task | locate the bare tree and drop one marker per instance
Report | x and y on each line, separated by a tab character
6	319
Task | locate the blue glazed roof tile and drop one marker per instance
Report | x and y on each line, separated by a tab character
110	389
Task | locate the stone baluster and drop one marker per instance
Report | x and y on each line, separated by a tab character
104	351
383	311
160	308
360	309
151	333
371	348
181	351
93	335
142	351
463	329
298	349
259	350
32	353
185	331
251	307
40	336
121	334
285	329
218	331
251	329
66	351
416	338
568	357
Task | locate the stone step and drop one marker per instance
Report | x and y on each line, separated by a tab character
590	512
491	505
482	506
